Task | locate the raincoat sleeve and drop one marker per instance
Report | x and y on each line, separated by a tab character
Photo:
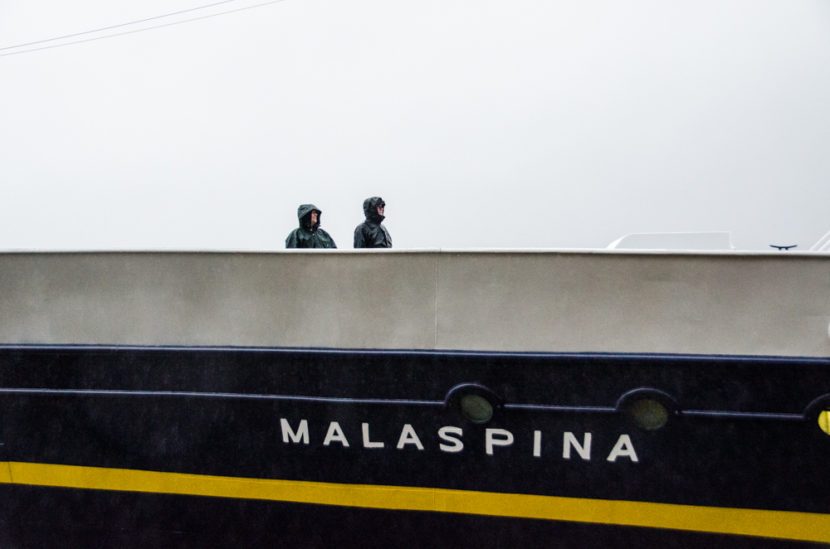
291	240
359	238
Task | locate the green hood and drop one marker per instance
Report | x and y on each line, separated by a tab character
304	215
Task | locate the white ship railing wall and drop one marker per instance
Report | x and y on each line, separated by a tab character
735	303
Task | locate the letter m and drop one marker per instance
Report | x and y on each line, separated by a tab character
301	435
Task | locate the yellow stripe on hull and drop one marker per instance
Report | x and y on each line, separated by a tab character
719	520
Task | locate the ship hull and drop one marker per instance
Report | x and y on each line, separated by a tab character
431	398
319	445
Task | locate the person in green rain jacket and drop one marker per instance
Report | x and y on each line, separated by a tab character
309	234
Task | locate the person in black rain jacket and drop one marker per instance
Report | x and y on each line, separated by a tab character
309	234
370	233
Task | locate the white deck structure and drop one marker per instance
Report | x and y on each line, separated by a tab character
551	301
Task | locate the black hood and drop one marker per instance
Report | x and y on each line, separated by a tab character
304	215
370	209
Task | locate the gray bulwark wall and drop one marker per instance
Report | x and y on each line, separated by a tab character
745	304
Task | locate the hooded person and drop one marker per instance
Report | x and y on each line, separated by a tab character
370	233
309	234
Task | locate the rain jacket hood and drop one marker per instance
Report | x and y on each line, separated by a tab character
370	209
304	215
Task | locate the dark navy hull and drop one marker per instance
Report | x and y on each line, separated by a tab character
128	446
95	519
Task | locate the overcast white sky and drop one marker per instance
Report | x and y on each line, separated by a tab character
517	123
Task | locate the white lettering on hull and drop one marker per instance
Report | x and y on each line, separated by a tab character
300	435
569	441
623	448
451	440
335	434
496	437
367	443
453	436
